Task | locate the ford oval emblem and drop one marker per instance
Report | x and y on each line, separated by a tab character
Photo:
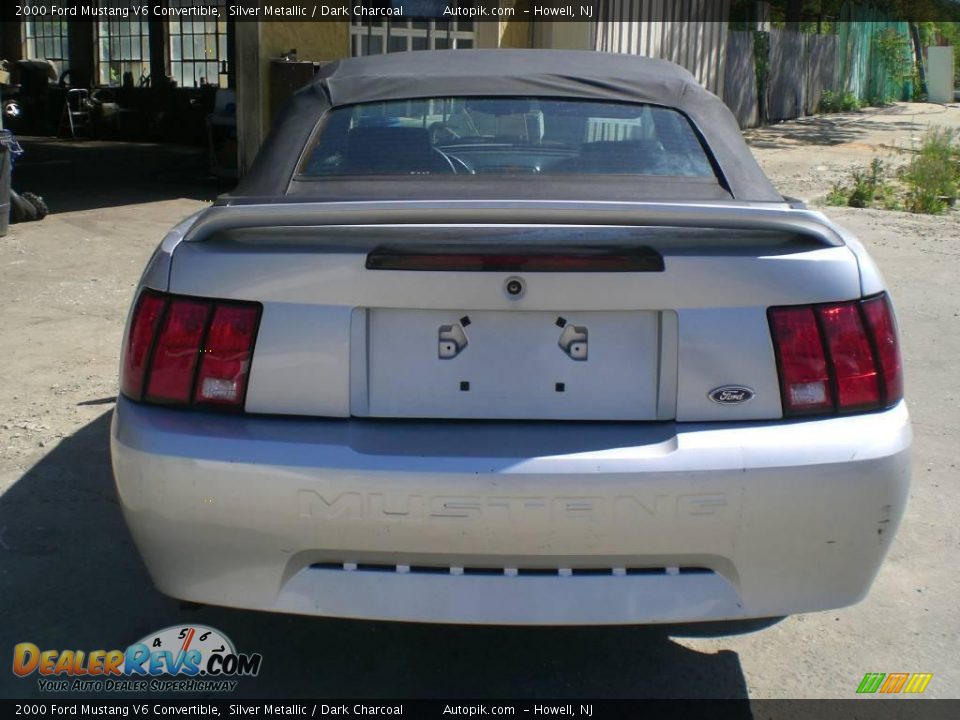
731	395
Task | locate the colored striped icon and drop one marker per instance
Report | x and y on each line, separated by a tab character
894	683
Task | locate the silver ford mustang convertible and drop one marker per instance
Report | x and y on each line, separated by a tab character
511	337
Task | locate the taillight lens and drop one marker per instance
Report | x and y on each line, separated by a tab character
226	355
143	329
883	327
804	379
189	351
841	357
853	363
177	351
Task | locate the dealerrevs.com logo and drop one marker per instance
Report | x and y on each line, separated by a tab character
191	658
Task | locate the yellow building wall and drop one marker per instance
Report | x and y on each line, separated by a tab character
517	33
312	41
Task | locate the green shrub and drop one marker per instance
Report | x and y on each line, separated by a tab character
862	194
932	176
888	197
894	51
831	102
867	187
918	94
838	195
929	183
849	102
925	201
828	102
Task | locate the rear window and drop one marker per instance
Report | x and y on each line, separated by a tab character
498	135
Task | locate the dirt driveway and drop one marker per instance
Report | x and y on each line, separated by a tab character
69	576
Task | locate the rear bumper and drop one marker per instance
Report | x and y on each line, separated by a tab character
634	523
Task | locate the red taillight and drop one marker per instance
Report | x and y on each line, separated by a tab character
143	329
189	351
883	327
226	355
804	380
177	350
839	357
853	363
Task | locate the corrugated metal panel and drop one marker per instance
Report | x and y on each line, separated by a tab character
691	33
786	84
820	66
861	68
740	82
801	66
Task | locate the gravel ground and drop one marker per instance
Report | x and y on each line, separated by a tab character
65	284
804	158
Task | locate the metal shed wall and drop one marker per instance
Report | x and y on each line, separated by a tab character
691	33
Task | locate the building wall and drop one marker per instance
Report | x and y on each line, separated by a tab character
256	44
691	33
315	42
515	32
565	35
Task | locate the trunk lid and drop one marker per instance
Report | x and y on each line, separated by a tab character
340	336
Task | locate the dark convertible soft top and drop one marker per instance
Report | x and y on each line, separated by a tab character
532	73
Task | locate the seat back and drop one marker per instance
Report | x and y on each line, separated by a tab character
625	156
388	151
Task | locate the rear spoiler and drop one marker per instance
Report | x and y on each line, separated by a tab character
730	216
